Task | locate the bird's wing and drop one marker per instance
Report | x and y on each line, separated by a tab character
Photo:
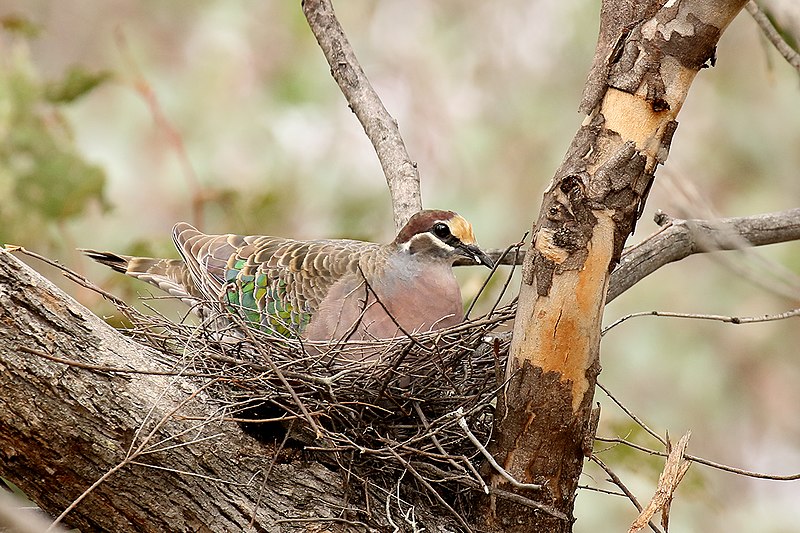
276	282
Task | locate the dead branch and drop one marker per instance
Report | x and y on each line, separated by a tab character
674	470
381	129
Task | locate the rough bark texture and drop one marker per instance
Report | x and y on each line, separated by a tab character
647	56
62	428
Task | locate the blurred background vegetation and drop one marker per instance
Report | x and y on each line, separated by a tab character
119	118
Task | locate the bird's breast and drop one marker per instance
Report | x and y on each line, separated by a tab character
386	305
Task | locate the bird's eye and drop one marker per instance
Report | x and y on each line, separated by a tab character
441	230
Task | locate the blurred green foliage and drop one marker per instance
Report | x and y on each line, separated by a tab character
44	179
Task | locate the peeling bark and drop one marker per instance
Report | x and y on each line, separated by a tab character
646	58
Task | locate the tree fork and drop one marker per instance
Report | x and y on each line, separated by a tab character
646	59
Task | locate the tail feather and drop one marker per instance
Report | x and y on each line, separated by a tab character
110	259
169	275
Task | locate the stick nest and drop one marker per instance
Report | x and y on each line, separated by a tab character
393	422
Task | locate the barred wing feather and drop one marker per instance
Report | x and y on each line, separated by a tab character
274	282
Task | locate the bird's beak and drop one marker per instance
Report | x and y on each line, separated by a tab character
476	254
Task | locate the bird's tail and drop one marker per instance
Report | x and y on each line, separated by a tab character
169	275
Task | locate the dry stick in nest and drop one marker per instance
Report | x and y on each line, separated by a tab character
419	477
441	449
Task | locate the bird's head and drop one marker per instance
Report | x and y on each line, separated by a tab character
441	234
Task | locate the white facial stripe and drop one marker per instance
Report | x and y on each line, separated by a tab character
429	238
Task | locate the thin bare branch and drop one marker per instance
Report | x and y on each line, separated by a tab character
698	316
632	415
706	462
381	128
773	36
614	478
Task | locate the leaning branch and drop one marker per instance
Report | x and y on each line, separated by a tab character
380	127
95	414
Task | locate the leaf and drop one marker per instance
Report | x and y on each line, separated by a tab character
21	25
76	83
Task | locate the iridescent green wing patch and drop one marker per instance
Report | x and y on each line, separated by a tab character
263	301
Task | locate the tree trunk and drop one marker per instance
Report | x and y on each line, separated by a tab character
646	58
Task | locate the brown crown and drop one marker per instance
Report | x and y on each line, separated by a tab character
424	220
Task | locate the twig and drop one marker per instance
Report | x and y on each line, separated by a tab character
130	456
614	478
633	416
706	462
771	33
70	274
320	520
85	493
111	369
697	316
269	471
602	491
516	247
381	129
187	473
462	422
